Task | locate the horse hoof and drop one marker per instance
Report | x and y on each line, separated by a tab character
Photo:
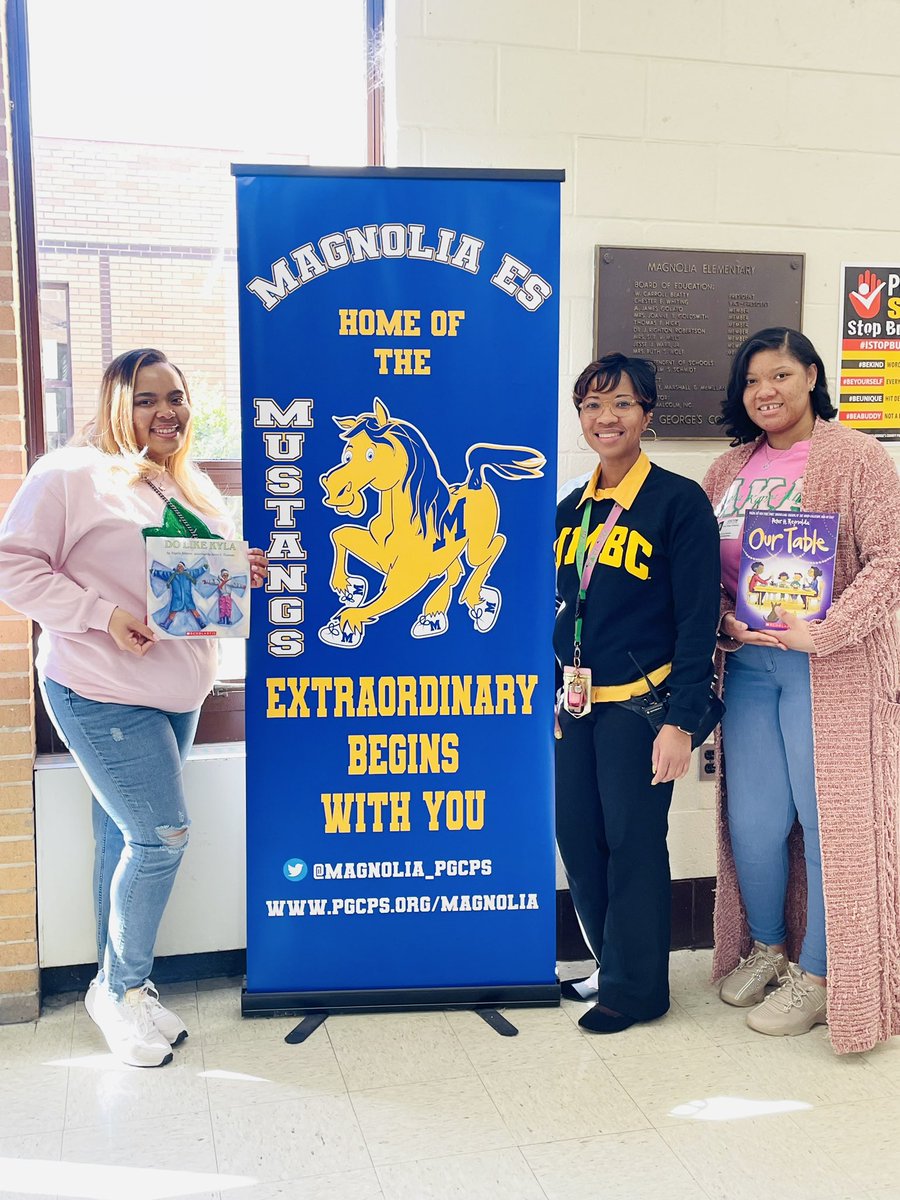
355	592
484	617
429	625
335	634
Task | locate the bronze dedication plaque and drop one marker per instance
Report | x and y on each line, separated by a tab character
689	310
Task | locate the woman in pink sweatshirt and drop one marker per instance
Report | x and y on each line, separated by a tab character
72	557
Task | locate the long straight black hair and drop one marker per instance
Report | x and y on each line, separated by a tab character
734	417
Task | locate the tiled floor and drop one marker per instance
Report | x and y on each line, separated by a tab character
434	1106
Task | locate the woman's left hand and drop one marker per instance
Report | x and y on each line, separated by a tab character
258	566
671	754
797	635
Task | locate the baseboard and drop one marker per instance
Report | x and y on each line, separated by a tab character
692	909
692	914
167	969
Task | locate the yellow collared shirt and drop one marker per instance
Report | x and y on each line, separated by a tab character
623	493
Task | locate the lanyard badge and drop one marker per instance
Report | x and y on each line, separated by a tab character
576	694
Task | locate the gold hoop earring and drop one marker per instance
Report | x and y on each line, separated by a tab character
650	429
580	438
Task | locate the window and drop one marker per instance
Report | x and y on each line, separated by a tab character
54	318
134	201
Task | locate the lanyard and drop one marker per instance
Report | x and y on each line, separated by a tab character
586	565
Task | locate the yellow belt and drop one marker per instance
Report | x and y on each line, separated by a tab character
625	691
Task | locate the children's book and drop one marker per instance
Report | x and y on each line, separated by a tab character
787	562
198	587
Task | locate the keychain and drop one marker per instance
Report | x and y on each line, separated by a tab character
576	694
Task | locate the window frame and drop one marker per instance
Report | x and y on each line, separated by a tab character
222	713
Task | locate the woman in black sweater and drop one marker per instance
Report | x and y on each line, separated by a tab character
651	606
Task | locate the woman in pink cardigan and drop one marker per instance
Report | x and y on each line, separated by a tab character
807	920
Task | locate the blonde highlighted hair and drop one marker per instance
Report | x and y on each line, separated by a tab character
112	431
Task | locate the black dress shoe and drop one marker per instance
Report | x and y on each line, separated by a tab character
567	990
600	1020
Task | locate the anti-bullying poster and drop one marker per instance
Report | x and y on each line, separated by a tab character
869	377
399	374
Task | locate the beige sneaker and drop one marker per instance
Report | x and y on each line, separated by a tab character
792	1008
746	984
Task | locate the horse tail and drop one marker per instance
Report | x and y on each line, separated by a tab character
509	462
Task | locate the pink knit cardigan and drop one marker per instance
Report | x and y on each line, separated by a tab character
855	678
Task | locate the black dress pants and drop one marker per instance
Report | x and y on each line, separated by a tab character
611	828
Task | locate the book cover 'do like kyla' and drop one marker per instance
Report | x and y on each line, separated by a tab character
787	562
198	587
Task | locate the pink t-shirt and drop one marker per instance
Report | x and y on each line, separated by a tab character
71	550
770	480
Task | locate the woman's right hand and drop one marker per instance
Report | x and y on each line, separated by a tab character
739	631
130	634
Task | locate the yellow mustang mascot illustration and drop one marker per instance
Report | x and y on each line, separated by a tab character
422	528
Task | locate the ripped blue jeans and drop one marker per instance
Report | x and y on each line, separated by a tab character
132	758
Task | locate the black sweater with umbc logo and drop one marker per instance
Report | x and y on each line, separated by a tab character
654	591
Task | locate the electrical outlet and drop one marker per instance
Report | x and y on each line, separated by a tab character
707	760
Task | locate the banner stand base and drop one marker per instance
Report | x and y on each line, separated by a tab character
307	1026
497	1022
302	1004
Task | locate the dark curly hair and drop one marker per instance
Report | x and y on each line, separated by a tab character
605	373
734	416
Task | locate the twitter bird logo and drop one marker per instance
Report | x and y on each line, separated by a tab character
295	869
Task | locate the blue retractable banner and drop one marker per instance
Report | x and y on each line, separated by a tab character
399	351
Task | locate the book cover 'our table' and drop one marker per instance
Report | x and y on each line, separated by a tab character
787	562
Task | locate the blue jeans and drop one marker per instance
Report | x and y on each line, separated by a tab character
770	779
132	759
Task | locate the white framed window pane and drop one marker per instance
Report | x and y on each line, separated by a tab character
133	192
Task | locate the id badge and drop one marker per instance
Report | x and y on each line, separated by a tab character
576	690
730	528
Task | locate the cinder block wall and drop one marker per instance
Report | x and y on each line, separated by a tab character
19	980
702	124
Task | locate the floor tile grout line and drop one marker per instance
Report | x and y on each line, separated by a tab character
709	1195
365	1139
69	1053
462	1046
439	1158
530	1169
337	1059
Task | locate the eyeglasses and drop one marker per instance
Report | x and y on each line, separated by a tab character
594	408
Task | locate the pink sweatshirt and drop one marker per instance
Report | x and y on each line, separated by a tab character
771	480
71	551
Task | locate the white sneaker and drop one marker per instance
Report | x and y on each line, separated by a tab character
128	1027
169	1024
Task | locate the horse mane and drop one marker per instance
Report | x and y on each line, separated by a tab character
422	482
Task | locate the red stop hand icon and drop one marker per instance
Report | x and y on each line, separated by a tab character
866	300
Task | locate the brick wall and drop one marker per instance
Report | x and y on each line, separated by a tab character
19	981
